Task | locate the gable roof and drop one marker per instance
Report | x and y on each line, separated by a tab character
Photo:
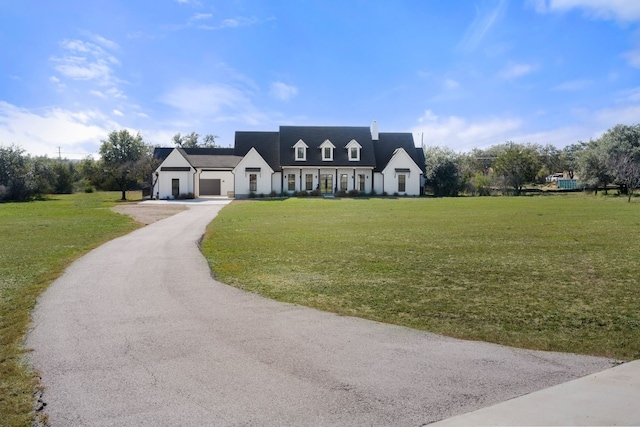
266	144
204	158
389	142
314	136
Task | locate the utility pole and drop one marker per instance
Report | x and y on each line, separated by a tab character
59	154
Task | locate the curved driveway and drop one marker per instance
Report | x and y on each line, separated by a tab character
137	332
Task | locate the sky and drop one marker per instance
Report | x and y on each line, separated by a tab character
461	74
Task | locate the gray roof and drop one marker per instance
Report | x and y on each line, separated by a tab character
265	143
276	148
314	136
389	142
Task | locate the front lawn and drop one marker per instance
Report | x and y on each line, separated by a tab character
550	273
37	241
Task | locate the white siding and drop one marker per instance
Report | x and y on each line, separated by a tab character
163	186
241	176
225	177
401	160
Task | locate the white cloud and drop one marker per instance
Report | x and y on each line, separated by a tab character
633	57
206	99
513	71
90	62
619	10
201	16
283	91
484	20
240	21
462	134
118	113
573	85
451	84
78	133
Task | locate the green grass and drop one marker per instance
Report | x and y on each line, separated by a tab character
37	241
551	273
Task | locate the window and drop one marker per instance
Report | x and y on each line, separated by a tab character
343	181
253	182
175	187
402	183
353	150
300	150
308	182
361	182
326	148
291	179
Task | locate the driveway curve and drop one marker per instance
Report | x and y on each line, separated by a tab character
137	332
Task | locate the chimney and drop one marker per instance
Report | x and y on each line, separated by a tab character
374	130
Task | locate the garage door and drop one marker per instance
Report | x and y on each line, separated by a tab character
209	187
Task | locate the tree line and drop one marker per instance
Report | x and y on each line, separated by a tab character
126	163
612	159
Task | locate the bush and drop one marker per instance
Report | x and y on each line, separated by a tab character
273	193
303	193
353	193
316	193
252	194
384	194
261	195
183	196
341	193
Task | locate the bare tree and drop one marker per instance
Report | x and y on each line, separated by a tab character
626	167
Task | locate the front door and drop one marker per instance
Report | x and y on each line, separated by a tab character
326	183
175	187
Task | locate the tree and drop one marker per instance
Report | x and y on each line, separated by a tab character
519	165
550	161
122	158
192	141
627	170
569	158
442	173
15	180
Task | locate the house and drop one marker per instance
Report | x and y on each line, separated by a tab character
327	159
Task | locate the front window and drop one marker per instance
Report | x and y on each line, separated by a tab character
253	182
292	182
326	153
353	153
361	182
300	153
343	181
402	183
308	182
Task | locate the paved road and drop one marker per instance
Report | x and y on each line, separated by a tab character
138	333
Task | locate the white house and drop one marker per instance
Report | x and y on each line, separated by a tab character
326	159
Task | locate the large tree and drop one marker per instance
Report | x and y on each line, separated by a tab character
519	165
123	157
192	140
15	174
442	172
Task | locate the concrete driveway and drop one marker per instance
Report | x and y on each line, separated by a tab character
137	332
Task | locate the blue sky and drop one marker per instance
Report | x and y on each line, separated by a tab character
460	74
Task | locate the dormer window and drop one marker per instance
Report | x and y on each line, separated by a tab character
353	150
327	151
300	149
